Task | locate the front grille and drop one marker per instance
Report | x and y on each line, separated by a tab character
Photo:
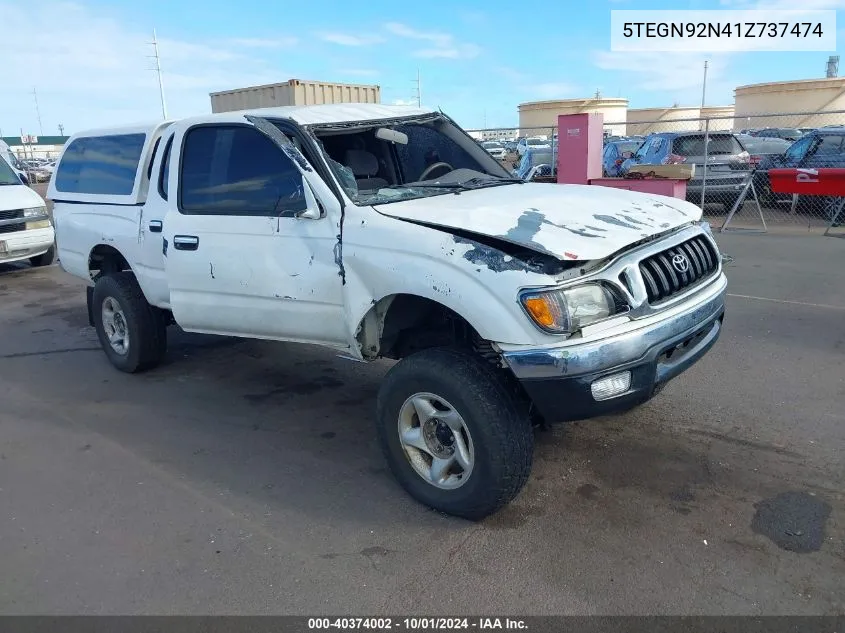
12	228
665	275
11	215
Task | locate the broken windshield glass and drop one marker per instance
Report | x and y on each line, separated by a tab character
427	157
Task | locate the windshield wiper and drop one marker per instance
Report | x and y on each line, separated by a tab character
429	185
483	181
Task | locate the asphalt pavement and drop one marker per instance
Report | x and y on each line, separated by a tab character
243	477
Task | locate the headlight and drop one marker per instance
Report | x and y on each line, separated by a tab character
35	212
38	218
568	310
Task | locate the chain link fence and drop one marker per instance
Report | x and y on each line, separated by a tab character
731	157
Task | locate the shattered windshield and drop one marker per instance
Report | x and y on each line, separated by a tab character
407	159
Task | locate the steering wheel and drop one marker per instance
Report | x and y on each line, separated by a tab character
428	170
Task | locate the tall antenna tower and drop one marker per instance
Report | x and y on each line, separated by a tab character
157	68
37	112
419	89
833	66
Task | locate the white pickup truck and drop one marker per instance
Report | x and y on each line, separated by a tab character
387	232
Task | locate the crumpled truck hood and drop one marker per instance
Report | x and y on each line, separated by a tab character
574	222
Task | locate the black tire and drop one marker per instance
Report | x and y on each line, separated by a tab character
45	259
145	324
494	417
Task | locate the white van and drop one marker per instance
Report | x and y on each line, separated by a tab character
26	231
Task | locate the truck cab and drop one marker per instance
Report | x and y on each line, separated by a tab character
388	232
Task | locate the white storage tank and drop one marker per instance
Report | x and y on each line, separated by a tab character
293	92
544	114
725	122
643	121
816	97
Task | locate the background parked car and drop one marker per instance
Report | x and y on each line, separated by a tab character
759	148
617	152
820	148
534	163
727	162
532	142
495	149
787	133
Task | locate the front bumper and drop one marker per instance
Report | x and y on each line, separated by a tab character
558	379
22	245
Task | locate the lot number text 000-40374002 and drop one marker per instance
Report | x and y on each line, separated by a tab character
704	31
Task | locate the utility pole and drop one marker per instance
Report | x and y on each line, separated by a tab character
704	86
158	72
419	89
37	111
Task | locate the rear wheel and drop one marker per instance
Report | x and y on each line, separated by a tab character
454	434
133	333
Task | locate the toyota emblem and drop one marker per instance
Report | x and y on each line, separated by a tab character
680	263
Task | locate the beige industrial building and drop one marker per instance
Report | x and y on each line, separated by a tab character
293	92
541	114
816	96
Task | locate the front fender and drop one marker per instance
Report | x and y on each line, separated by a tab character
431	264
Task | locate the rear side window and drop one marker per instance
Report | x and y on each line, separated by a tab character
236	170
694	145
104	165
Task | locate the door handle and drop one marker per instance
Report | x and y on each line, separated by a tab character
186	242
155	226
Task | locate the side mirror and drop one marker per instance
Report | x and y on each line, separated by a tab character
313	209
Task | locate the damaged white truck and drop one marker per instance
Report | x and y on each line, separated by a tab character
387	232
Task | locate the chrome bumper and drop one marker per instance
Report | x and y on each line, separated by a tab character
576	359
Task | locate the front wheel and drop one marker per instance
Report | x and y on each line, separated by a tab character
453	432
133	333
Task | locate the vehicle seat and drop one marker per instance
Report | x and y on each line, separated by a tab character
364	166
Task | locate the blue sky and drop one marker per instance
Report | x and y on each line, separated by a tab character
477	60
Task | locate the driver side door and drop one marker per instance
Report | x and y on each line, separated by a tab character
249	247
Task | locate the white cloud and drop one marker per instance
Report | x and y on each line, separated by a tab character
442	45
679	74
402	30
404	102
93	70
459	51
345	39
783	5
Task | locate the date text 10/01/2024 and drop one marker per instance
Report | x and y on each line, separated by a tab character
416	623
751	30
